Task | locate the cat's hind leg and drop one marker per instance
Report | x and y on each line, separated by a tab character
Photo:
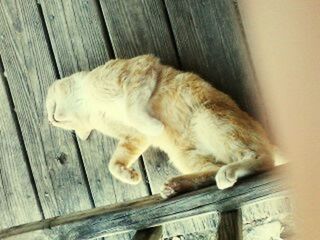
127	152
206	173
201	172
188	182
228	174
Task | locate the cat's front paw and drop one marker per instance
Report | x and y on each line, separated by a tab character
125	174
226	177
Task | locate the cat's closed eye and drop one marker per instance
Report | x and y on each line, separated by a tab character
59	116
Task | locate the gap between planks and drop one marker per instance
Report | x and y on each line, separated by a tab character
20	138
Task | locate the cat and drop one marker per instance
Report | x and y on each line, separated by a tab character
141	102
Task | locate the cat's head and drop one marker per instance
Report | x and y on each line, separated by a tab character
66	106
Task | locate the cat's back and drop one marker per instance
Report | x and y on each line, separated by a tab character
120	74
184	97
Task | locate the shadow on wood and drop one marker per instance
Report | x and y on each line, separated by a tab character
230	226
154	233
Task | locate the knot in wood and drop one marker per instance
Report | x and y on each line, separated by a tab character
62	158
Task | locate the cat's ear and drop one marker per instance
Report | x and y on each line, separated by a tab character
83	134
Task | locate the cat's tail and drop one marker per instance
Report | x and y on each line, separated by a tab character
278	157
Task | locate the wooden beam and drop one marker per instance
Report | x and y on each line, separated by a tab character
152	210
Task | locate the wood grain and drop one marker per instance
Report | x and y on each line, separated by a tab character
16	190
138	27
61	185
153	211
211	43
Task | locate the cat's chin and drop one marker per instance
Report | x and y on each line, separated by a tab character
83	135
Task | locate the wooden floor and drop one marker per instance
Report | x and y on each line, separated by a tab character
47	172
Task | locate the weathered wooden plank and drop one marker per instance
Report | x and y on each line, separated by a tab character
16	190
152	211
52	153
77	37
138	27
210	42
76	34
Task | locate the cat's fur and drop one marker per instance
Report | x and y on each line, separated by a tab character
142	102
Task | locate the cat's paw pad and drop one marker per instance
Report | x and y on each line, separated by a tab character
168	190
124	174
225	177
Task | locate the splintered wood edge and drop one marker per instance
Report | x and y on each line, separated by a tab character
153	210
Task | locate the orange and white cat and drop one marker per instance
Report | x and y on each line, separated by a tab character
142	102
